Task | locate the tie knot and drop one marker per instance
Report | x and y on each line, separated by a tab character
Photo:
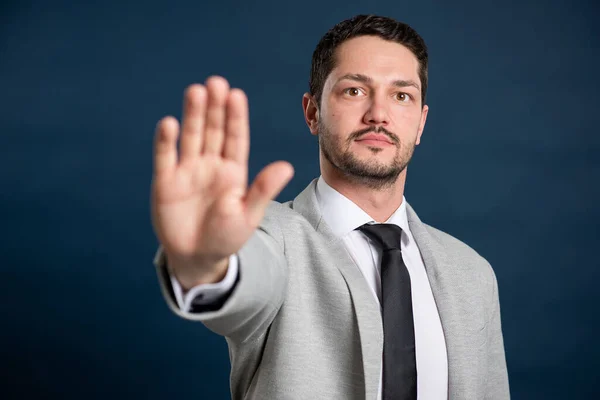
387	235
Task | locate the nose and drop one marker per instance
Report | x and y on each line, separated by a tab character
377	114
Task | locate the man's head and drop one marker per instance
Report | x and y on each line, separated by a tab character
366	101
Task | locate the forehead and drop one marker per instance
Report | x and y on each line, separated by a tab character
379	59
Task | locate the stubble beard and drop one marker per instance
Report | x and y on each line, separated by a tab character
373	174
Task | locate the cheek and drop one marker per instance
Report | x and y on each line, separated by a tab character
343	117
343	109
407	122
334	123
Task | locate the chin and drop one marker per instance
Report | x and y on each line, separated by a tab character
375	155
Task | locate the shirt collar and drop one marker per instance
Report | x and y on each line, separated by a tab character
343	216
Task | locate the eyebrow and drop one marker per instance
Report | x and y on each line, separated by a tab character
367	80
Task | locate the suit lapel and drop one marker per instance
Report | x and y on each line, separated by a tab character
442	279
367	310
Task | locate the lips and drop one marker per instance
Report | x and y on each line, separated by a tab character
374	138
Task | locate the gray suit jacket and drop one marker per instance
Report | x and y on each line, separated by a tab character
302	322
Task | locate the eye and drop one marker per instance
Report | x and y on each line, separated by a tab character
353	91
402	97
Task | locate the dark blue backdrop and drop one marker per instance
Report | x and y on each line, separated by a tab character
509	163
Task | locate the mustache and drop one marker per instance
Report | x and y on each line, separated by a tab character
374	129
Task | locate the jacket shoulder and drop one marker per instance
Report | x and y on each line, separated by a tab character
280	218
462	254
278	213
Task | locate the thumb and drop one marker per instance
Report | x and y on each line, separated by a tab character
267	185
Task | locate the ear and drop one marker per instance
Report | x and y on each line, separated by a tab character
311	112
424	112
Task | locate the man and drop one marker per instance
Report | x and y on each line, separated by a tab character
342	293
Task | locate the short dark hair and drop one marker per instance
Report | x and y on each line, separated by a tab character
323	60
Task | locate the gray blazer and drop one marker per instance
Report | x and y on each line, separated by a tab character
302	322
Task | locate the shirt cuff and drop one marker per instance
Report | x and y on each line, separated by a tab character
206	293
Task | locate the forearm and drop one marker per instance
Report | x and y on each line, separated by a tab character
253	303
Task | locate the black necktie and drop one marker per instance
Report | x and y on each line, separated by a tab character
399	361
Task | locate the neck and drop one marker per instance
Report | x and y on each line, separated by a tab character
379	204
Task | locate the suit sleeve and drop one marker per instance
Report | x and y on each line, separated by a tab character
497	377
257	296
206	294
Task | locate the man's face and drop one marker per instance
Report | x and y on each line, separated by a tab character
371	116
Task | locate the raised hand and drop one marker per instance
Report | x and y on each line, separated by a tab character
202	208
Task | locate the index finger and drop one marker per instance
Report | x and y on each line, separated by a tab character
165	146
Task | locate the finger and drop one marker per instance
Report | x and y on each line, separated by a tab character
194	110
267	185
165	145
218	89
237	131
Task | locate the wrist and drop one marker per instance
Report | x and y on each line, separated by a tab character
191	273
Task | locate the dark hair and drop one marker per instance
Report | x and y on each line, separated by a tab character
323	60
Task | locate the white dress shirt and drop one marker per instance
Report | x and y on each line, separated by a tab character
343	217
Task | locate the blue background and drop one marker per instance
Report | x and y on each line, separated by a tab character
509	163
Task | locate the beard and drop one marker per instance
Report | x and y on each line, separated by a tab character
371	173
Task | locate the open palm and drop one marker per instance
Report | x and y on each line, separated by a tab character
202	208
